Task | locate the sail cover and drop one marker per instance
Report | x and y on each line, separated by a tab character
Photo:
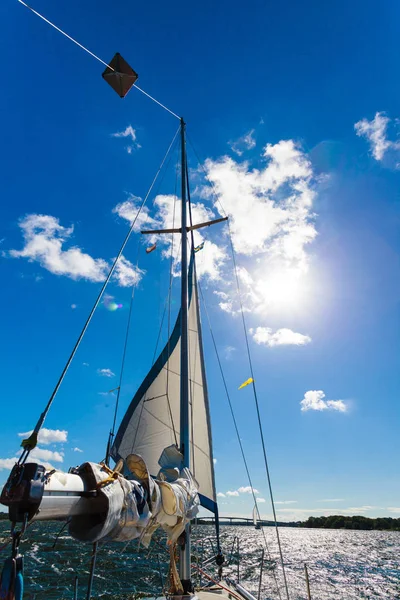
152	420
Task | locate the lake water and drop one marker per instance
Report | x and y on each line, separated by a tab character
343	565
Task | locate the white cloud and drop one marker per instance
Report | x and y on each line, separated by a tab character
168	215
375	131
261	500
40	454
105	373
271	218
247	490
333	500
360	509
48	436
73	306
77	450
43	454
7	463
45	239
130	133
281	337
85	364
129	209
242	490
221	294
286	502
337	405
245	142
126	273
314	400
221	495
263	216
394	509
228	352
214	461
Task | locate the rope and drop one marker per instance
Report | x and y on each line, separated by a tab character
42	417
173	575
112	433
156	101
236	427
166	304
219	584
94	56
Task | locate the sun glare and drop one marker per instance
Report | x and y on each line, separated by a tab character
283	288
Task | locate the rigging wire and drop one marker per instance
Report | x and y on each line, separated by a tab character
251	373
153	361
167	304
246	466
121	374
192	375
260	427
28	447
95	56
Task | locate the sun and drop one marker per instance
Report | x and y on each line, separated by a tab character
282	288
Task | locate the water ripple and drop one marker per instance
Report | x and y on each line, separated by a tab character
343	565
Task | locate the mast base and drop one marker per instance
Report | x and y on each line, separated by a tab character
188	589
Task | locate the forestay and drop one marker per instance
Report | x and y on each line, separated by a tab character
152	420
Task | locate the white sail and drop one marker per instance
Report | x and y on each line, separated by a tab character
152	420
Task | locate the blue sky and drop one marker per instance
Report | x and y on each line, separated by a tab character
272	94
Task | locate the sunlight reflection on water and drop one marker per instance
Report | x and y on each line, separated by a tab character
343	565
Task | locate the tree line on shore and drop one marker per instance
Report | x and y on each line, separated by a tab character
353	522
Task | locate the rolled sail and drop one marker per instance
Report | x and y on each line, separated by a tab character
152	420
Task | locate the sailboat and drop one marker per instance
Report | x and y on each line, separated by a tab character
163	453
256	516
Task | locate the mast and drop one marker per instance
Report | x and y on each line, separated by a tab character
184	564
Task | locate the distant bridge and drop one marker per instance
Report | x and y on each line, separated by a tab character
238	521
